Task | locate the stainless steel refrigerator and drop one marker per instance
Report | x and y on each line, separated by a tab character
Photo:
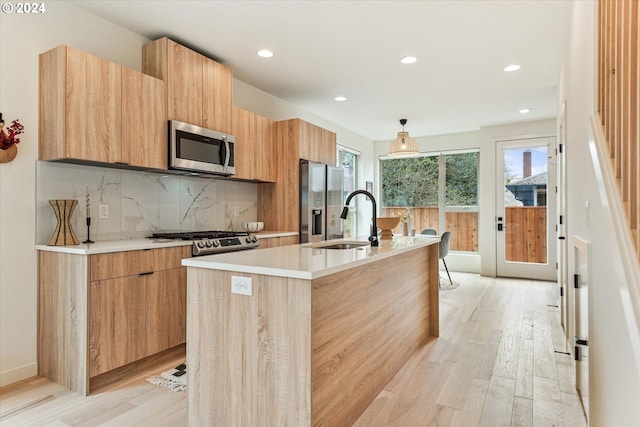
321	201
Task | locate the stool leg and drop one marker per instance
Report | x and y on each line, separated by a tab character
445	267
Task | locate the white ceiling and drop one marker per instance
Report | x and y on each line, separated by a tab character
352	48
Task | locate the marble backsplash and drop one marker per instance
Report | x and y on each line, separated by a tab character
140	203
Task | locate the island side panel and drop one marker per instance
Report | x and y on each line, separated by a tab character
248	357
366	323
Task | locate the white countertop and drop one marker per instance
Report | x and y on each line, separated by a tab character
137	244
114	246
307	261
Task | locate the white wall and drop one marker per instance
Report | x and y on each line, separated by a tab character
613	335
485	140
23	38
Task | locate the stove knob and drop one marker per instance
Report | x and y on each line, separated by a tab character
215	243
254	239
248	239
208	243
200	244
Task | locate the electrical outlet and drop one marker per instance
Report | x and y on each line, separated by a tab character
236	211
103	210
241	285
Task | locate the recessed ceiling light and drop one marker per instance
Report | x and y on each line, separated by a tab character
265	53
513	67
340	98
408	59
525	110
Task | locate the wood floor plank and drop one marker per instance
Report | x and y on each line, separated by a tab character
32	393
508	351
524	377
573	411
547	402
522	412
498	406
566	373
454	392
470	414
493	365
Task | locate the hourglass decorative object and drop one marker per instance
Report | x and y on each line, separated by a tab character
63	235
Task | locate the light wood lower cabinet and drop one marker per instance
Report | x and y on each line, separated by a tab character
272	242
166	309
117	319
102	312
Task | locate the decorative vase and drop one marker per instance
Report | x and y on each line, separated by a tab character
386	224
63	235
9	154
405	229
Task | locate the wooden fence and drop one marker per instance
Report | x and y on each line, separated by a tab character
525	230
525	233
463	225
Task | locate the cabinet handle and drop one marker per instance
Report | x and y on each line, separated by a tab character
146	274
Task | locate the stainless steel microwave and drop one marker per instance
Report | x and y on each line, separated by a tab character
192	148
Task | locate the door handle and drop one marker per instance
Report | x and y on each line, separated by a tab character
499	227
579	341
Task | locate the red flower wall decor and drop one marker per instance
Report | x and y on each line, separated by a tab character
8	135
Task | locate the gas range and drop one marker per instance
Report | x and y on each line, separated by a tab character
213	242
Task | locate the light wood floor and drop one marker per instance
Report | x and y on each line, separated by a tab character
495	364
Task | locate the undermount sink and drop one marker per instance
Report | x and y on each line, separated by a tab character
341	245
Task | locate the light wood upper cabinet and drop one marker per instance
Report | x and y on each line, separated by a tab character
80	107
317	144
199	89
217	96
295	139
144	120
184	79
266	149
98	111
255	148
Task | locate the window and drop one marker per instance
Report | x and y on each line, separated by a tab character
440	190
348	161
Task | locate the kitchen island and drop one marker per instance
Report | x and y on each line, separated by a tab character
320	335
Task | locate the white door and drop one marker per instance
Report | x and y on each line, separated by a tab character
526	208
582	279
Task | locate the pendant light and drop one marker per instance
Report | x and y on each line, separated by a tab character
403	145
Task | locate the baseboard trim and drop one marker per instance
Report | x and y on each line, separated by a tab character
18	374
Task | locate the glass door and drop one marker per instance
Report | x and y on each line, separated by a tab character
525	209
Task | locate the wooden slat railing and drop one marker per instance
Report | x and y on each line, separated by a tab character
619	98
